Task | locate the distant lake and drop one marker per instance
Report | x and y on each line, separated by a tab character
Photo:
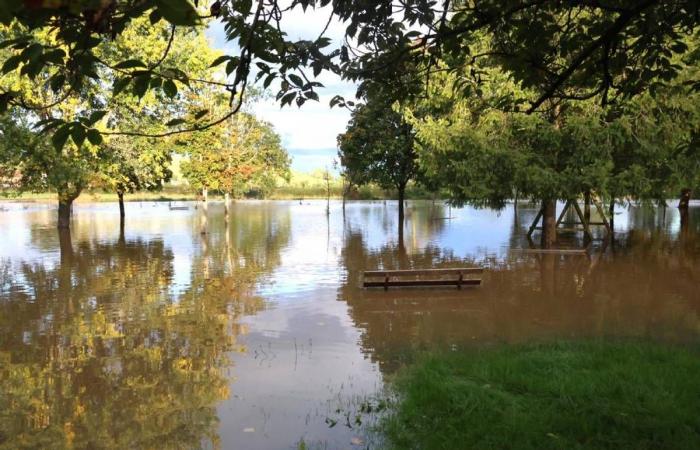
257	334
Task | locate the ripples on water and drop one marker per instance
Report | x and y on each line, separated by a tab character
257	335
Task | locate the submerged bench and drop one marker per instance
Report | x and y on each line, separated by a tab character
425	277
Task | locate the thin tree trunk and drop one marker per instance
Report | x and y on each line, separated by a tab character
402	195
587	207
227	201
402	260
328	193
683	208
122	236
549	223
205	210
611	212
121	204
203	220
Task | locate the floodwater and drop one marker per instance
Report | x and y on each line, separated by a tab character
257	334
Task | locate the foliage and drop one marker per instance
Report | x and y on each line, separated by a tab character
242	155
137	164
78	156
482	154
567	395
565	50
37	167
378	146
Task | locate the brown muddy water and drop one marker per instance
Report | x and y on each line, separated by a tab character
257	335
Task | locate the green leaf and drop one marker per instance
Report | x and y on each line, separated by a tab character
201	114
119	85
177	12
96	116
268	80
232	65
60	137
55	56
57	82
311	95
220	60
141	85
10	42
130	64
11	63
78	134
170	88
94	136
296	80
288	98
155	17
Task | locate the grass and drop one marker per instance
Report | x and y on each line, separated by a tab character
586	395
293	190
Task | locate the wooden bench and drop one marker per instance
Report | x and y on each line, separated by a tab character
425	277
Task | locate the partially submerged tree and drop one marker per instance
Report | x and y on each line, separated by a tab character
379	147
77	155
40	167
242	156
140	164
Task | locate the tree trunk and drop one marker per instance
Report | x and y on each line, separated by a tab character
611	213
64	209
683	208
549	223
122	236
121	204
328	193
402	195
65	245
203	220
587	207
227	201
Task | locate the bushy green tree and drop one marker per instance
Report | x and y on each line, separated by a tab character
241	156
379	147
78	156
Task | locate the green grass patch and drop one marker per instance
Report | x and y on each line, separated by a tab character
584	395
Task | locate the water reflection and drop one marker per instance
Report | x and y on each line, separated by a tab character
643	287
257	334
98	351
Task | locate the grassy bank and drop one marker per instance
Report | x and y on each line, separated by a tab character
285	191
561	396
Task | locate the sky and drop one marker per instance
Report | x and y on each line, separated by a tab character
308	133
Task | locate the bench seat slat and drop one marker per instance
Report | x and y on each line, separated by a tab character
407	283
422	272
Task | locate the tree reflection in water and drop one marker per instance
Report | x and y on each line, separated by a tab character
98	350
